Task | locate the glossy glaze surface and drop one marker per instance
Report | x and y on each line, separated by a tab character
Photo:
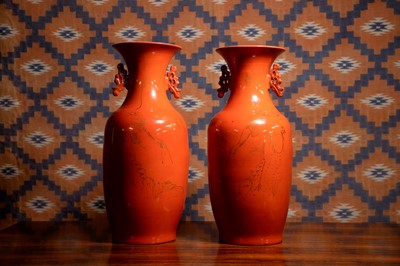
145	152
250	153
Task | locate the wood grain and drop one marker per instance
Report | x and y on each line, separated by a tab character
88	243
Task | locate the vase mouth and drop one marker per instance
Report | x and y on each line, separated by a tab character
249	51
146	43
251	46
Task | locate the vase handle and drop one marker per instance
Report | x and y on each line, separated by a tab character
120	79
224	81
276	80
173	82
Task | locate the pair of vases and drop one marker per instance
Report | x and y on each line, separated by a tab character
146	151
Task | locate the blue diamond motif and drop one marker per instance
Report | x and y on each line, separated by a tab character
378	101
189	33
70	102
189	103
99	204
98	68
310	30
7	103
344	213
251	32
6	31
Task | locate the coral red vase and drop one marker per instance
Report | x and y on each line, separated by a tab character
250	150
145	156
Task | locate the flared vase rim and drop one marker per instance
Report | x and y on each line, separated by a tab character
251	46
147	43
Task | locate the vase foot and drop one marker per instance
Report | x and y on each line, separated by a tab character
144	240
251	240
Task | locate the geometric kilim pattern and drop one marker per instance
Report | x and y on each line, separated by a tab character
341	71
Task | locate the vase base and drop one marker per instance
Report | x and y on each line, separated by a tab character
251	240
144	240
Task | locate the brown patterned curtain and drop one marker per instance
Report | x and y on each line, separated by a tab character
341	71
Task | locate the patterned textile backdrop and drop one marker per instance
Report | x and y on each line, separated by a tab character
341	72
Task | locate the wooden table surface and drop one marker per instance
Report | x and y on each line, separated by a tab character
88	243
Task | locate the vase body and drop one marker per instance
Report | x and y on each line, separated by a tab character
145	155
250	153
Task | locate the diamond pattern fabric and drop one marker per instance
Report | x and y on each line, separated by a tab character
341	73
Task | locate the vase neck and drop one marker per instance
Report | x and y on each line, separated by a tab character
147	63
249	80
250	88
145	93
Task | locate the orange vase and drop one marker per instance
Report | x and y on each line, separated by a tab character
250	150
146	149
